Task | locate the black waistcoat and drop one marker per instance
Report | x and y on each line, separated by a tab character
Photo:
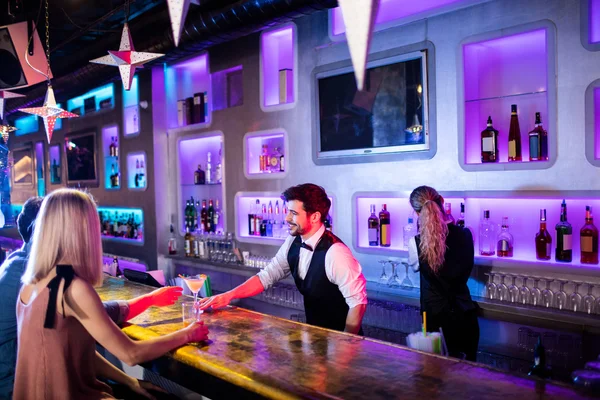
323	302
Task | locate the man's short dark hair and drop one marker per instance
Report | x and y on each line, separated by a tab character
313	197
27	217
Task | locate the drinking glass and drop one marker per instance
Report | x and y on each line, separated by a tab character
513	290
502	289
524	292
588	300
383	279
395	279
406	282
492	288
190	313
547	294
536	293
561	296
575	298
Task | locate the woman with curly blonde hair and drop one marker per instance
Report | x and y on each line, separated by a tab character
444	255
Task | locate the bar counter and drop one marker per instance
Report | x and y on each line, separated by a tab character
275	358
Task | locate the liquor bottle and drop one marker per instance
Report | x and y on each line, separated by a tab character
328	223
489	143
538	141
276	221
142	174
137	173
114	177
589	239
187	214
111	147
487	239
385	231
172	241
198	112
257	218
216	216
210	217
514	136
264	158
251	219
195	245
195	214
199	176
284	228
461	219
564	237
543	240
505	240
373	226
219	171
188	239
409	231
116	148
117	270
263	221
539	368
282	163
448	209
209	177
270	220
274	159
204	217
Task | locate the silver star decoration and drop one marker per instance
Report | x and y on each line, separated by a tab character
5	94
126	58
49	112
178	10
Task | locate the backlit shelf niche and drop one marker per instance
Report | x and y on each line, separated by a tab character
55	164
102	98
592	123
228	88
40	169
590	24
131	109
273	165
186	82
120	224
193	151
136	171
111	152
522	210
497	69
278	68
27	124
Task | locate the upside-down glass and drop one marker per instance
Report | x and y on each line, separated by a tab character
513	290
502	289
588	300
536	293
394	279
491	287
383	279
561	296
406	282
548	294
575	298
524	292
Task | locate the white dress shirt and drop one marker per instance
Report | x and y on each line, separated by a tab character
341	268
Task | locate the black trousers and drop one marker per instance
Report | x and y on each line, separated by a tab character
461	331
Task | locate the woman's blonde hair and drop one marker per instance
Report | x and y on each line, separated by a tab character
66	231
432	225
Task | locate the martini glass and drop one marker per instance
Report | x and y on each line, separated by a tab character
195	283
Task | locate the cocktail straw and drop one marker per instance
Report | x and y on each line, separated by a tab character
425	323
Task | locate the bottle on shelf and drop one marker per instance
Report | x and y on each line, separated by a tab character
204	217
514	136
588	237
219	170
263	221
264	159
538	141
505	240
216	216
270	220
543	240
188	239
409	231
116	268
274	160
111	147
284	228
461	218
196	215
257	218
199	176
487	238
539	368
210	217
373	227
251	217
385	232
282	163
448	210
209	177
196	244
328	223
489	143
137	173
114	177
187	214
564	237
142	174
277	221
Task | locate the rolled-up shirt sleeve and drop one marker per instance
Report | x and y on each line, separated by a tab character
413	254
117	310
344	270
278	268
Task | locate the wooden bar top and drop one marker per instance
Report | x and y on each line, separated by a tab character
282	359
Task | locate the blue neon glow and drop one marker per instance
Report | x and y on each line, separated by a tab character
131	96
27	124
100	94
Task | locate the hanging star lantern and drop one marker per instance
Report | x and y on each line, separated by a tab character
50	112
5	131
178	10
126	58
5	94
359	19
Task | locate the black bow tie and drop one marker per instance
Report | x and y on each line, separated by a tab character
306	246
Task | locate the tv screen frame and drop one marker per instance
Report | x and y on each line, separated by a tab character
423	50
72	181
27	150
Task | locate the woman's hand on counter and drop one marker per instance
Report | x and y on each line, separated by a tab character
218	301
196	332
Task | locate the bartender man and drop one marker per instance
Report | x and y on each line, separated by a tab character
323	267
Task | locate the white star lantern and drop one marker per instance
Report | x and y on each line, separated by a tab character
178	10
359	19
126	58
5	131
4	94
49	112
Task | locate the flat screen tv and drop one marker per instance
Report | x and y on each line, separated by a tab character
389	116
80	153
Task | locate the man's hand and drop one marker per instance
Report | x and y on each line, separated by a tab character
218	301
165	296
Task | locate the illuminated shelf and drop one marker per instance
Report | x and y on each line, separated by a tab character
112	212
101	98
131	109
592	123
278	68
590	24
253	143
137	173
111	164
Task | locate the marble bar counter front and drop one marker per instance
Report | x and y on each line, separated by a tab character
253	355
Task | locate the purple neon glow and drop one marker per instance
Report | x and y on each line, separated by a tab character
108	133
594	21
132	170
54	154
391	10
597	122
277	54
498	73
523	214
39	156
254	149
125	264
193	152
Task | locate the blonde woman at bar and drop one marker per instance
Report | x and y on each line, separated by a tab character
443	254
60	316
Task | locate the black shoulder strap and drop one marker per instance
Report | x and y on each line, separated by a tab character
67	273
